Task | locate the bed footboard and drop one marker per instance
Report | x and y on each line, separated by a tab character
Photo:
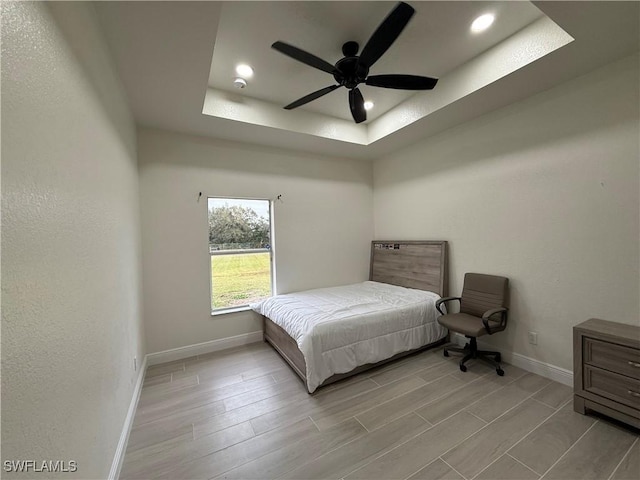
288	349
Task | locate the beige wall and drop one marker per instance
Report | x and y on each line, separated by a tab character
71	319
545	192
323	228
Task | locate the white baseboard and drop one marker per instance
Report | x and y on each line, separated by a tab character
547	370
118	458
202	348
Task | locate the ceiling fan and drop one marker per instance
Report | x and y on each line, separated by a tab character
353	69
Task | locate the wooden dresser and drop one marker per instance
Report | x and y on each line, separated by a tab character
606	369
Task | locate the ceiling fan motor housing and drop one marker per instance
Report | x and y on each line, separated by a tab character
350	72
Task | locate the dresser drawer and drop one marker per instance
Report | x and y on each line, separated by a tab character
619	388
612	357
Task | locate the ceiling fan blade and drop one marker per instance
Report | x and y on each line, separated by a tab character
304	57
311	97
356	104
386	34
402	82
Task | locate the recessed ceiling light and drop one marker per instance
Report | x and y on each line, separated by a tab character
244	70
483	22
368	105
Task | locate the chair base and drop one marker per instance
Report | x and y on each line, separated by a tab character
471	352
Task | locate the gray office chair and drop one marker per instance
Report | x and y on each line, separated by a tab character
483	311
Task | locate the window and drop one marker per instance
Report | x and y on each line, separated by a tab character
241	251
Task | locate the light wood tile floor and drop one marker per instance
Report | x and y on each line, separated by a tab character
243	413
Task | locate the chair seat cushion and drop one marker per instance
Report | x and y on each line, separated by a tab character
463	323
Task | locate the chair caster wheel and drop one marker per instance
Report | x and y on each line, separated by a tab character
498	358
463	368
500	372
446	354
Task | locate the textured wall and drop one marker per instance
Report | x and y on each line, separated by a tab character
71	317
322	230
545	192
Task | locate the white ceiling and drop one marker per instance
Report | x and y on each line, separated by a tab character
436	40
163	52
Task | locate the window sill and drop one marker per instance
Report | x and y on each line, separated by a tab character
224	311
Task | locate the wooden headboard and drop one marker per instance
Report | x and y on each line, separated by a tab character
413	264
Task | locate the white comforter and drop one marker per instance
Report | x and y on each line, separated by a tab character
340	328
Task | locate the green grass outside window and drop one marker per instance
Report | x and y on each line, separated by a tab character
239	279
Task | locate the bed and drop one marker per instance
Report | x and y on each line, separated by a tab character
328	334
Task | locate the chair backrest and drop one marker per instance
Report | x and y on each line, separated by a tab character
483	292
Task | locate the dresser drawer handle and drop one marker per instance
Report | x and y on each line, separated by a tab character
633	394
634	364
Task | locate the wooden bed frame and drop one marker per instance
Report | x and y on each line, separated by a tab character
421	265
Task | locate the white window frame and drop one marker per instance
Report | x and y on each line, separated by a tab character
248	251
